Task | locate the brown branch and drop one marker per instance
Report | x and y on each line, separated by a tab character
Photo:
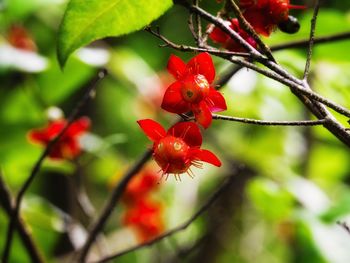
269	123
221	24
24	234
177	229
317	40
344	225
98	225
76	111
311	39
250	30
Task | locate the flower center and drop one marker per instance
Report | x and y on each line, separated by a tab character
194	88
171	154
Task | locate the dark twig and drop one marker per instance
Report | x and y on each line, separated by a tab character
98	225
249	29
311	39
317	40
27	240
186	48
76	111
344	225
222	25
269	123
177	229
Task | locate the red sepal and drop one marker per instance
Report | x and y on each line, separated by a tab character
205	156
153	130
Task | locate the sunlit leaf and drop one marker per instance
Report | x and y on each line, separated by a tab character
86	21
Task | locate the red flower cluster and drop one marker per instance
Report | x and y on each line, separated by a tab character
68	145
265	15
143	214
192	89
218	36
140	186
178	148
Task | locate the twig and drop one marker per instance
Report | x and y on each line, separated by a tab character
27	240
186	48
270	123
98	225
344	225
311	39
177	229
14	218
221	24
317	40
250	30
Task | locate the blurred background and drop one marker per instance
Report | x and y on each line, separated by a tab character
290	184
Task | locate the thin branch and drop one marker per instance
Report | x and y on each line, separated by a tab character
222	25
186	48
177	229
24	234
98	225
318	40
311	39
269	123
250	30
344	225
76	111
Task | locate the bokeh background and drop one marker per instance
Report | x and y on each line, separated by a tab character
291	184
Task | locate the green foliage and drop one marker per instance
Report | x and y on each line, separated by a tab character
85	22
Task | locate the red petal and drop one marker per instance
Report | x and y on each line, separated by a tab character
38	136
202	114
218	36
173	101
153	130
79	126
202	64
176	66
71	148
188	131
215	101
205	156
54	128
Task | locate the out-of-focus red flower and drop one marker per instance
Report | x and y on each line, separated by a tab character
178	148
68	145
19	38
145	218
140	186
265	15
192	89
218	36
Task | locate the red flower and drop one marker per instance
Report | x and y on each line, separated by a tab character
140	186
19	38
218	36
265	15
145	218
192	90
68	145
179	148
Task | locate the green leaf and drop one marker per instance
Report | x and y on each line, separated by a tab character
86	21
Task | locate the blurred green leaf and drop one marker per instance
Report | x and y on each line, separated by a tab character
270	199
85	22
